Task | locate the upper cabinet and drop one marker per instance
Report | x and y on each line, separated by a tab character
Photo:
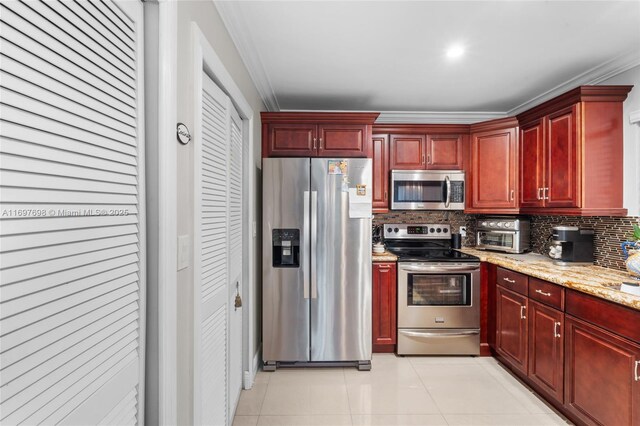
426	152
444	152
492	178
380	196
571	153
408	152
316	134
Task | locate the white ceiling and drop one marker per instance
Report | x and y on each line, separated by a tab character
390	55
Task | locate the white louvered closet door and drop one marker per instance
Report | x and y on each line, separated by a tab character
212	245
72	217
235	263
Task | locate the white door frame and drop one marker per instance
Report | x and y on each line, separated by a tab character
206	59
167	217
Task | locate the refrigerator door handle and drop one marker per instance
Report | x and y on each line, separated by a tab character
314	243
305	248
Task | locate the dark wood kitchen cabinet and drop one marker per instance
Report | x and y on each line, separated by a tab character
407	152
546	349
380	196
384	324
316	134
444	152
492	182
426	151
571	153
602	386
511	328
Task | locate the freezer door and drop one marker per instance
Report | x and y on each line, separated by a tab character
341	264
285	275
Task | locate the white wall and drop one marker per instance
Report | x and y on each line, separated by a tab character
631	139
206	16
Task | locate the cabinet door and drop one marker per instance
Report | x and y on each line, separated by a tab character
561	158
407	152
511	328
292	140
494	163
546	349
444	152
384	307
380	173
601	375
532	165
342	140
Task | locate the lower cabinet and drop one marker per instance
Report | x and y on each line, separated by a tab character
511	328
546	349
579	352
601	376
384	323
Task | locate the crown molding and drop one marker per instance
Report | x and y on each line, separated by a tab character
634	117
437	117
232	19
595	75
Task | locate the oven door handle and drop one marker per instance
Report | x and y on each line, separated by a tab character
481	231
429	269
445	334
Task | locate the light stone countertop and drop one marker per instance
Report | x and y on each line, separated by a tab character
384	257
595	280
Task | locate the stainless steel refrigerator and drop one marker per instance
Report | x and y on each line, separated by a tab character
316	280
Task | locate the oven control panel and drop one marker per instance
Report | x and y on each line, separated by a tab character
417	231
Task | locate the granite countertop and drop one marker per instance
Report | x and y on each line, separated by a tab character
384	257
595	280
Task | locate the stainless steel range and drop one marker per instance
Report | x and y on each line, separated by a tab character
438	292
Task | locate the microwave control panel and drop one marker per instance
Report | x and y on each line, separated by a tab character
457	192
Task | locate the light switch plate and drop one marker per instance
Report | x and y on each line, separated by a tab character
184	251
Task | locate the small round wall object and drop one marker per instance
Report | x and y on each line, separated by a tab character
184	137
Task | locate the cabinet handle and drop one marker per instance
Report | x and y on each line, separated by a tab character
423	159
508	280
428	159
385	195
314	143
543	293
546	193
512	195
556	327
320	143
522	309
539	195
636	371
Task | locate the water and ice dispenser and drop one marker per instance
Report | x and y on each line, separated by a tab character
285	244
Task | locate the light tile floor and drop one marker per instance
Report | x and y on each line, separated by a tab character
397	391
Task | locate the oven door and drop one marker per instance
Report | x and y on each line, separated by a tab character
438	295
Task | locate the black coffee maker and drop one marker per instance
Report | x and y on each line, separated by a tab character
571	245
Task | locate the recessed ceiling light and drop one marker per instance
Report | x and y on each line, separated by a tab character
455	51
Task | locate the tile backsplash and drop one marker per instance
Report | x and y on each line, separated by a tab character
610	232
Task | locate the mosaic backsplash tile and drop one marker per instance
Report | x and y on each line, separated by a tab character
610	232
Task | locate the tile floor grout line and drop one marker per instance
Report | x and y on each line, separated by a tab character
427	390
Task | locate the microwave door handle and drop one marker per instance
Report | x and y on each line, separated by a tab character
447	181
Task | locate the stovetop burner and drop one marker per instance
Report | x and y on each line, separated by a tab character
426	246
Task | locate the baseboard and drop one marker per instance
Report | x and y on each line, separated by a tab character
250	376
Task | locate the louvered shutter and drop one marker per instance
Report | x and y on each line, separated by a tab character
212	242
72	220
235	263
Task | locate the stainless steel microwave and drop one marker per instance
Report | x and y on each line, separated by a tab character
427	190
